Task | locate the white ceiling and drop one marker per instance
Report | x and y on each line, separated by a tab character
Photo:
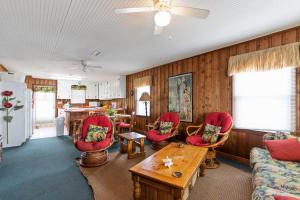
45	38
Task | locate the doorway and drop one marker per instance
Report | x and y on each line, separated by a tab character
44	111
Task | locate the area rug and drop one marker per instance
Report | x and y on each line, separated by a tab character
113	180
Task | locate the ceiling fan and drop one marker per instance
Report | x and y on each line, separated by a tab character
85	67
164	9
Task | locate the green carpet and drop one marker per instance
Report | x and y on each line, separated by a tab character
45	169
42	169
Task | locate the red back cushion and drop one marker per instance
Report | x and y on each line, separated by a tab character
285	198
170	117
221	119
288	150
98	120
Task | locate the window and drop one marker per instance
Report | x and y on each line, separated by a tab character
265	100
78	94
44	104
140	105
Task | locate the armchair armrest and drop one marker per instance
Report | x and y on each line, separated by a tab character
193	130
150	126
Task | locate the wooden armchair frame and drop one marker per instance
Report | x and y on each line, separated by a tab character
155	126
211	161
92	158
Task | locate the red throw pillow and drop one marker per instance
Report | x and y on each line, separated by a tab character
287	150
285	198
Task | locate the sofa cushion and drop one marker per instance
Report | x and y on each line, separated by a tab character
267	193
288	171
278	197
287	150
155	136
196	140
277	180
96	133
262	156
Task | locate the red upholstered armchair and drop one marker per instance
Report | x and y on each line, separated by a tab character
153	134
221	119
94	153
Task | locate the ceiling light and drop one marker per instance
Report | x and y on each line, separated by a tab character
162	18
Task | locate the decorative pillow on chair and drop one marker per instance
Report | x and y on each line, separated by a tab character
210	133
96	133
165	127
287	150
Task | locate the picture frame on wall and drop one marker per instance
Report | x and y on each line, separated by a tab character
181	96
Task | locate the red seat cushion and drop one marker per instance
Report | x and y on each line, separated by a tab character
221	119
196	140
98	120
170	117
155	136
124	125
285	198
92	146
287	150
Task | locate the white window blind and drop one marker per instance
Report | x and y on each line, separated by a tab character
265	100
78	93
140	105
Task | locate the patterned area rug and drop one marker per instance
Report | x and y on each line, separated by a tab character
113	181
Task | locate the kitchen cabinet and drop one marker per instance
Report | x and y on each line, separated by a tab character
91	90
64	89
113	89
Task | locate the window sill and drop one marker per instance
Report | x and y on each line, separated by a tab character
143	116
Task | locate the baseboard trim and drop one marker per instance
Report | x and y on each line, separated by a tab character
233	158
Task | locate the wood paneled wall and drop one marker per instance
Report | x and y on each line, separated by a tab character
212	88
3	69
30	81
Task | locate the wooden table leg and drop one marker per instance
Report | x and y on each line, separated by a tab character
129	148
137	191
142	145
202	169
121	140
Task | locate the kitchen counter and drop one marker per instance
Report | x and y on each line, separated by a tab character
80	114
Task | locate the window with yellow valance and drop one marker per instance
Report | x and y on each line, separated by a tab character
142	82
265	60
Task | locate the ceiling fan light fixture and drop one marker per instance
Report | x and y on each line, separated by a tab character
162	18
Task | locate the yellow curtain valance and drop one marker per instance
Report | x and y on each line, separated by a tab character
142	82
265	60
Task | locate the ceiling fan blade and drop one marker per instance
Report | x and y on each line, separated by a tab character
94	67
158	30
188	11
134	10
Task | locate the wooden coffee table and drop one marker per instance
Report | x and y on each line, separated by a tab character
152	180
132	139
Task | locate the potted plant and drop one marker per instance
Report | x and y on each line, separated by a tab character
111	112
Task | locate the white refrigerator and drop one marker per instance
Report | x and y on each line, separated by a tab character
20	128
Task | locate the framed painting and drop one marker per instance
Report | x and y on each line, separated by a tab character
181	96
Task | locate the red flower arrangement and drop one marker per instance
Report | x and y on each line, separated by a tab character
8	107
7	93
